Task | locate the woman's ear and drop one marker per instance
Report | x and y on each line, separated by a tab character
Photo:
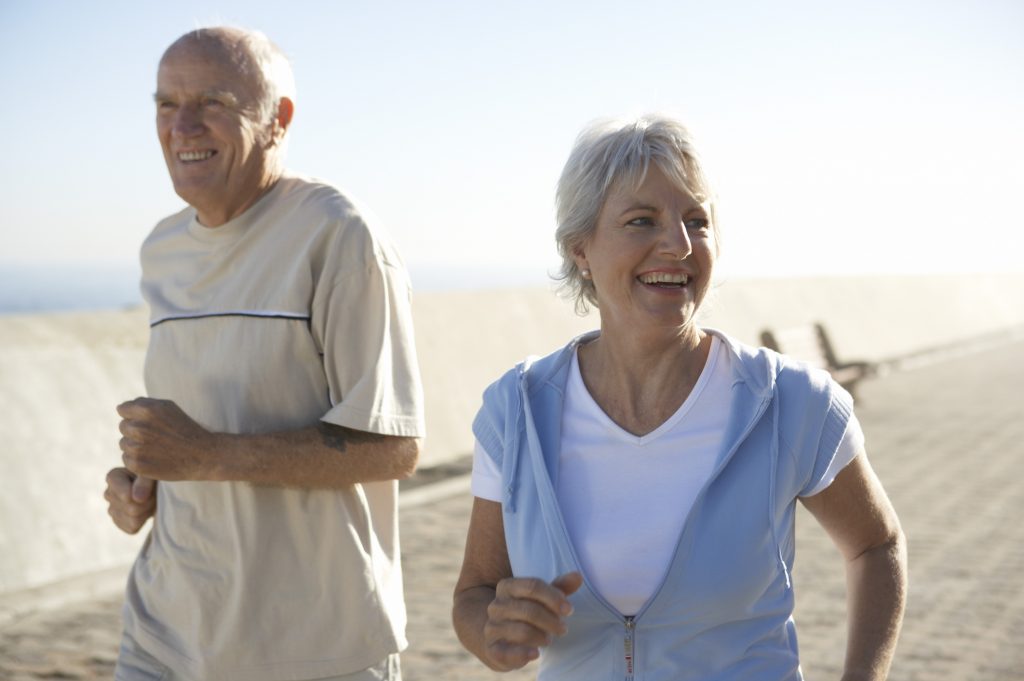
581	263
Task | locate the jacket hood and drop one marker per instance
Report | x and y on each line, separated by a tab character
758	366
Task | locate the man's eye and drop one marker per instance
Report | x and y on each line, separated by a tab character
212	101
165	105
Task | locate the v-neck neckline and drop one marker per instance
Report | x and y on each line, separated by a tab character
579	388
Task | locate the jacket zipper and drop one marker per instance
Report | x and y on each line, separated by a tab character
629	646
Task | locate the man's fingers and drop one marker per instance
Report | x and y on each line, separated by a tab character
142	489
128	409
119	484
139	407
130	498
128	523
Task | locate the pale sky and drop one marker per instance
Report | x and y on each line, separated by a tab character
843	137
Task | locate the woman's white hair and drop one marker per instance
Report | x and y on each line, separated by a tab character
607	153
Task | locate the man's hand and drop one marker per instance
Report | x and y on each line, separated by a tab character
526	615
131	499
160	441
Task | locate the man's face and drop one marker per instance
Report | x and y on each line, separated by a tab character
218	154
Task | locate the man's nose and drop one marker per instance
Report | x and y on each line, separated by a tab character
188	121
676	240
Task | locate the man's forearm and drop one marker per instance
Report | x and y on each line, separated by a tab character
160	441
876	596
321	456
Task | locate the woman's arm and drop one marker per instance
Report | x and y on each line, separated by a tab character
503	620
857	515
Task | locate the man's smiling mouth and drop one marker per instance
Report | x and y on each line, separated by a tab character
193	156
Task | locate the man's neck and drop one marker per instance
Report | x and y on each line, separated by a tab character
221	215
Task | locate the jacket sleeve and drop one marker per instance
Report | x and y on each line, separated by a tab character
490	424
814	414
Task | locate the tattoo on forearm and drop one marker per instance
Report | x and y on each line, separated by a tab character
338	437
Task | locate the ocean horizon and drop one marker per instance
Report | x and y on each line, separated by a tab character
62	287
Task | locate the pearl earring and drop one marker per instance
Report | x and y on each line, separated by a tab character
585	273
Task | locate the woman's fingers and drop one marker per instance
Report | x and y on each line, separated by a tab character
568	583
551	596
526	615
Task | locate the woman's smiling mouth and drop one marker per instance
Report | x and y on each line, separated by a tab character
664	279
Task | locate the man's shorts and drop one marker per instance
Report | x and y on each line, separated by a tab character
135	664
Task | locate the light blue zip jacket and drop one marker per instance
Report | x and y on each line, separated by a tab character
724	611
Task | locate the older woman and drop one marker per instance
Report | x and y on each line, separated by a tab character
636	490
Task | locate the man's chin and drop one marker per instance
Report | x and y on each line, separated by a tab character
194	191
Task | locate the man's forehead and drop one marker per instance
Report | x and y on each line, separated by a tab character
206	44
204	73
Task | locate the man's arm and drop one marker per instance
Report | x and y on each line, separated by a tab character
162	442
856	513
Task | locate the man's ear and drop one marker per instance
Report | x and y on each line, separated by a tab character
285	111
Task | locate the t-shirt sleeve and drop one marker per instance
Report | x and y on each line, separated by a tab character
851	444
363	315
486	479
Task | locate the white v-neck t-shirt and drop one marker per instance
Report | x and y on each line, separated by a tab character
624	497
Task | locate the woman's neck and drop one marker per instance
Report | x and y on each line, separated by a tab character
639	380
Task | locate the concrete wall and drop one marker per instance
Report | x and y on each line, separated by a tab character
62	374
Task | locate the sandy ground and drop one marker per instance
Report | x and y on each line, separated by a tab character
947	439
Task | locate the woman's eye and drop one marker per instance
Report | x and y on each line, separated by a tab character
697	223
641	222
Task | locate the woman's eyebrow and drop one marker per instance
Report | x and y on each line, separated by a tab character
638	206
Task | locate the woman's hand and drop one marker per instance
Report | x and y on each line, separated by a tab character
505	620
526	615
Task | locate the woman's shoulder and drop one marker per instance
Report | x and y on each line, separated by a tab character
789	374
502	399
536	371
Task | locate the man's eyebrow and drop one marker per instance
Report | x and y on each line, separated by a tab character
224	95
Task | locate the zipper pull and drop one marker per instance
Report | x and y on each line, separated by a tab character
628	645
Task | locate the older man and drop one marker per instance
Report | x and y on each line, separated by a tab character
284	399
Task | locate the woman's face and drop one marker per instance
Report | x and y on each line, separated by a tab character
651	255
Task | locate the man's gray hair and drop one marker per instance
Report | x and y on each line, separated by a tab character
609	152
254	54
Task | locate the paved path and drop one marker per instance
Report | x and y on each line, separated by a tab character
947	441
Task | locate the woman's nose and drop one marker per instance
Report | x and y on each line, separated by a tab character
676	241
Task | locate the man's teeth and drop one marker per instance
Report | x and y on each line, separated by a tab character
195	155
664	278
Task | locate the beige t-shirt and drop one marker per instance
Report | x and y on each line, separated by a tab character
292	312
